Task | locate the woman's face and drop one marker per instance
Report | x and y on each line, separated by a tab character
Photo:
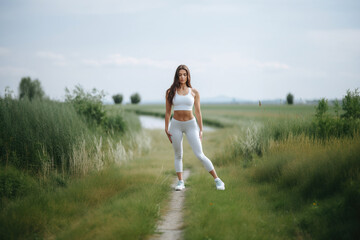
182	76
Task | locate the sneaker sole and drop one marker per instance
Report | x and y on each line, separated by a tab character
179	189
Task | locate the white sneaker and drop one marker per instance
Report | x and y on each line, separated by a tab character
180	185
220	185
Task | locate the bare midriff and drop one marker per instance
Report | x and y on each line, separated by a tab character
182	115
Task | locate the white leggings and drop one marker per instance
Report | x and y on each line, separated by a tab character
191	129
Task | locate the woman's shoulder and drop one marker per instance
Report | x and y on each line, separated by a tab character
194	90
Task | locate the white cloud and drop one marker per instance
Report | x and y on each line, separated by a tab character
56	58
51	56
120	60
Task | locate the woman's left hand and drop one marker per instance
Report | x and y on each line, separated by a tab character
200	135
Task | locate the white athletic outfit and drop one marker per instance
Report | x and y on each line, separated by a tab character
191	129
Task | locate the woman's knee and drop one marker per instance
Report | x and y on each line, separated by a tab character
201	156
178	155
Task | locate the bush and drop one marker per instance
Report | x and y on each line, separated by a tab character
351	105
30	89
135	98
87	104
117	98
326	125
114	122
14	183
290	99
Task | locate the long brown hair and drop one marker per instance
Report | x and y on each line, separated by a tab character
170	93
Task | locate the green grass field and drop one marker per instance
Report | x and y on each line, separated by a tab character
228	115
281	183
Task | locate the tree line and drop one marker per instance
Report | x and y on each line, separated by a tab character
31	89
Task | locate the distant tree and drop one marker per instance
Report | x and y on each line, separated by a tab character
117	98
290	99
351	104
321	108
135	98
30	89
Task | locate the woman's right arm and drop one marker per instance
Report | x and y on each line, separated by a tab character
167	118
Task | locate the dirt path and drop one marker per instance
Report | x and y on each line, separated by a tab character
170	227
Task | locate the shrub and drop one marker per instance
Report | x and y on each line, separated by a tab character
30	89
243	147
326	125
87	104
135	98
117	98
114	122
14	183
351	105
290	99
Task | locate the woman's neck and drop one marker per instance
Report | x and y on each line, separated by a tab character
183	86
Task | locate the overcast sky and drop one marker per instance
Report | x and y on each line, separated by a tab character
255	50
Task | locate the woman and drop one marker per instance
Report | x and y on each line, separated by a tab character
182	96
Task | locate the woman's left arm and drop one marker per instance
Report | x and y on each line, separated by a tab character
198	112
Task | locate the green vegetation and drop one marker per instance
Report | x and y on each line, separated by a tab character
64	163
135	98
291	172
36	134
351	105
290	99
30	89
114	203
117	98
316	182
286	178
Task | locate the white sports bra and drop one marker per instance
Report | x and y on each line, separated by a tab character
183	102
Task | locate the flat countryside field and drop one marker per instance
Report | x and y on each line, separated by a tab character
285	179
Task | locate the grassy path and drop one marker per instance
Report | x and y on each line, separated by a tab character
171	225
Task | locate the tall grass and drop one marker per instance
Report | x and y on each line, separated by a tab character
44	135
117	202
37	133
114	203
107	151
255	139
318	181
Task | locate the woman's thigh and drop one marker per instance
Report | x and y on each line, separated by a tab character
192	135
176	136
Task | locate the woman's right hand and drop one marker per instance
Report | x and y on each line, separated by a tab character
168	134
